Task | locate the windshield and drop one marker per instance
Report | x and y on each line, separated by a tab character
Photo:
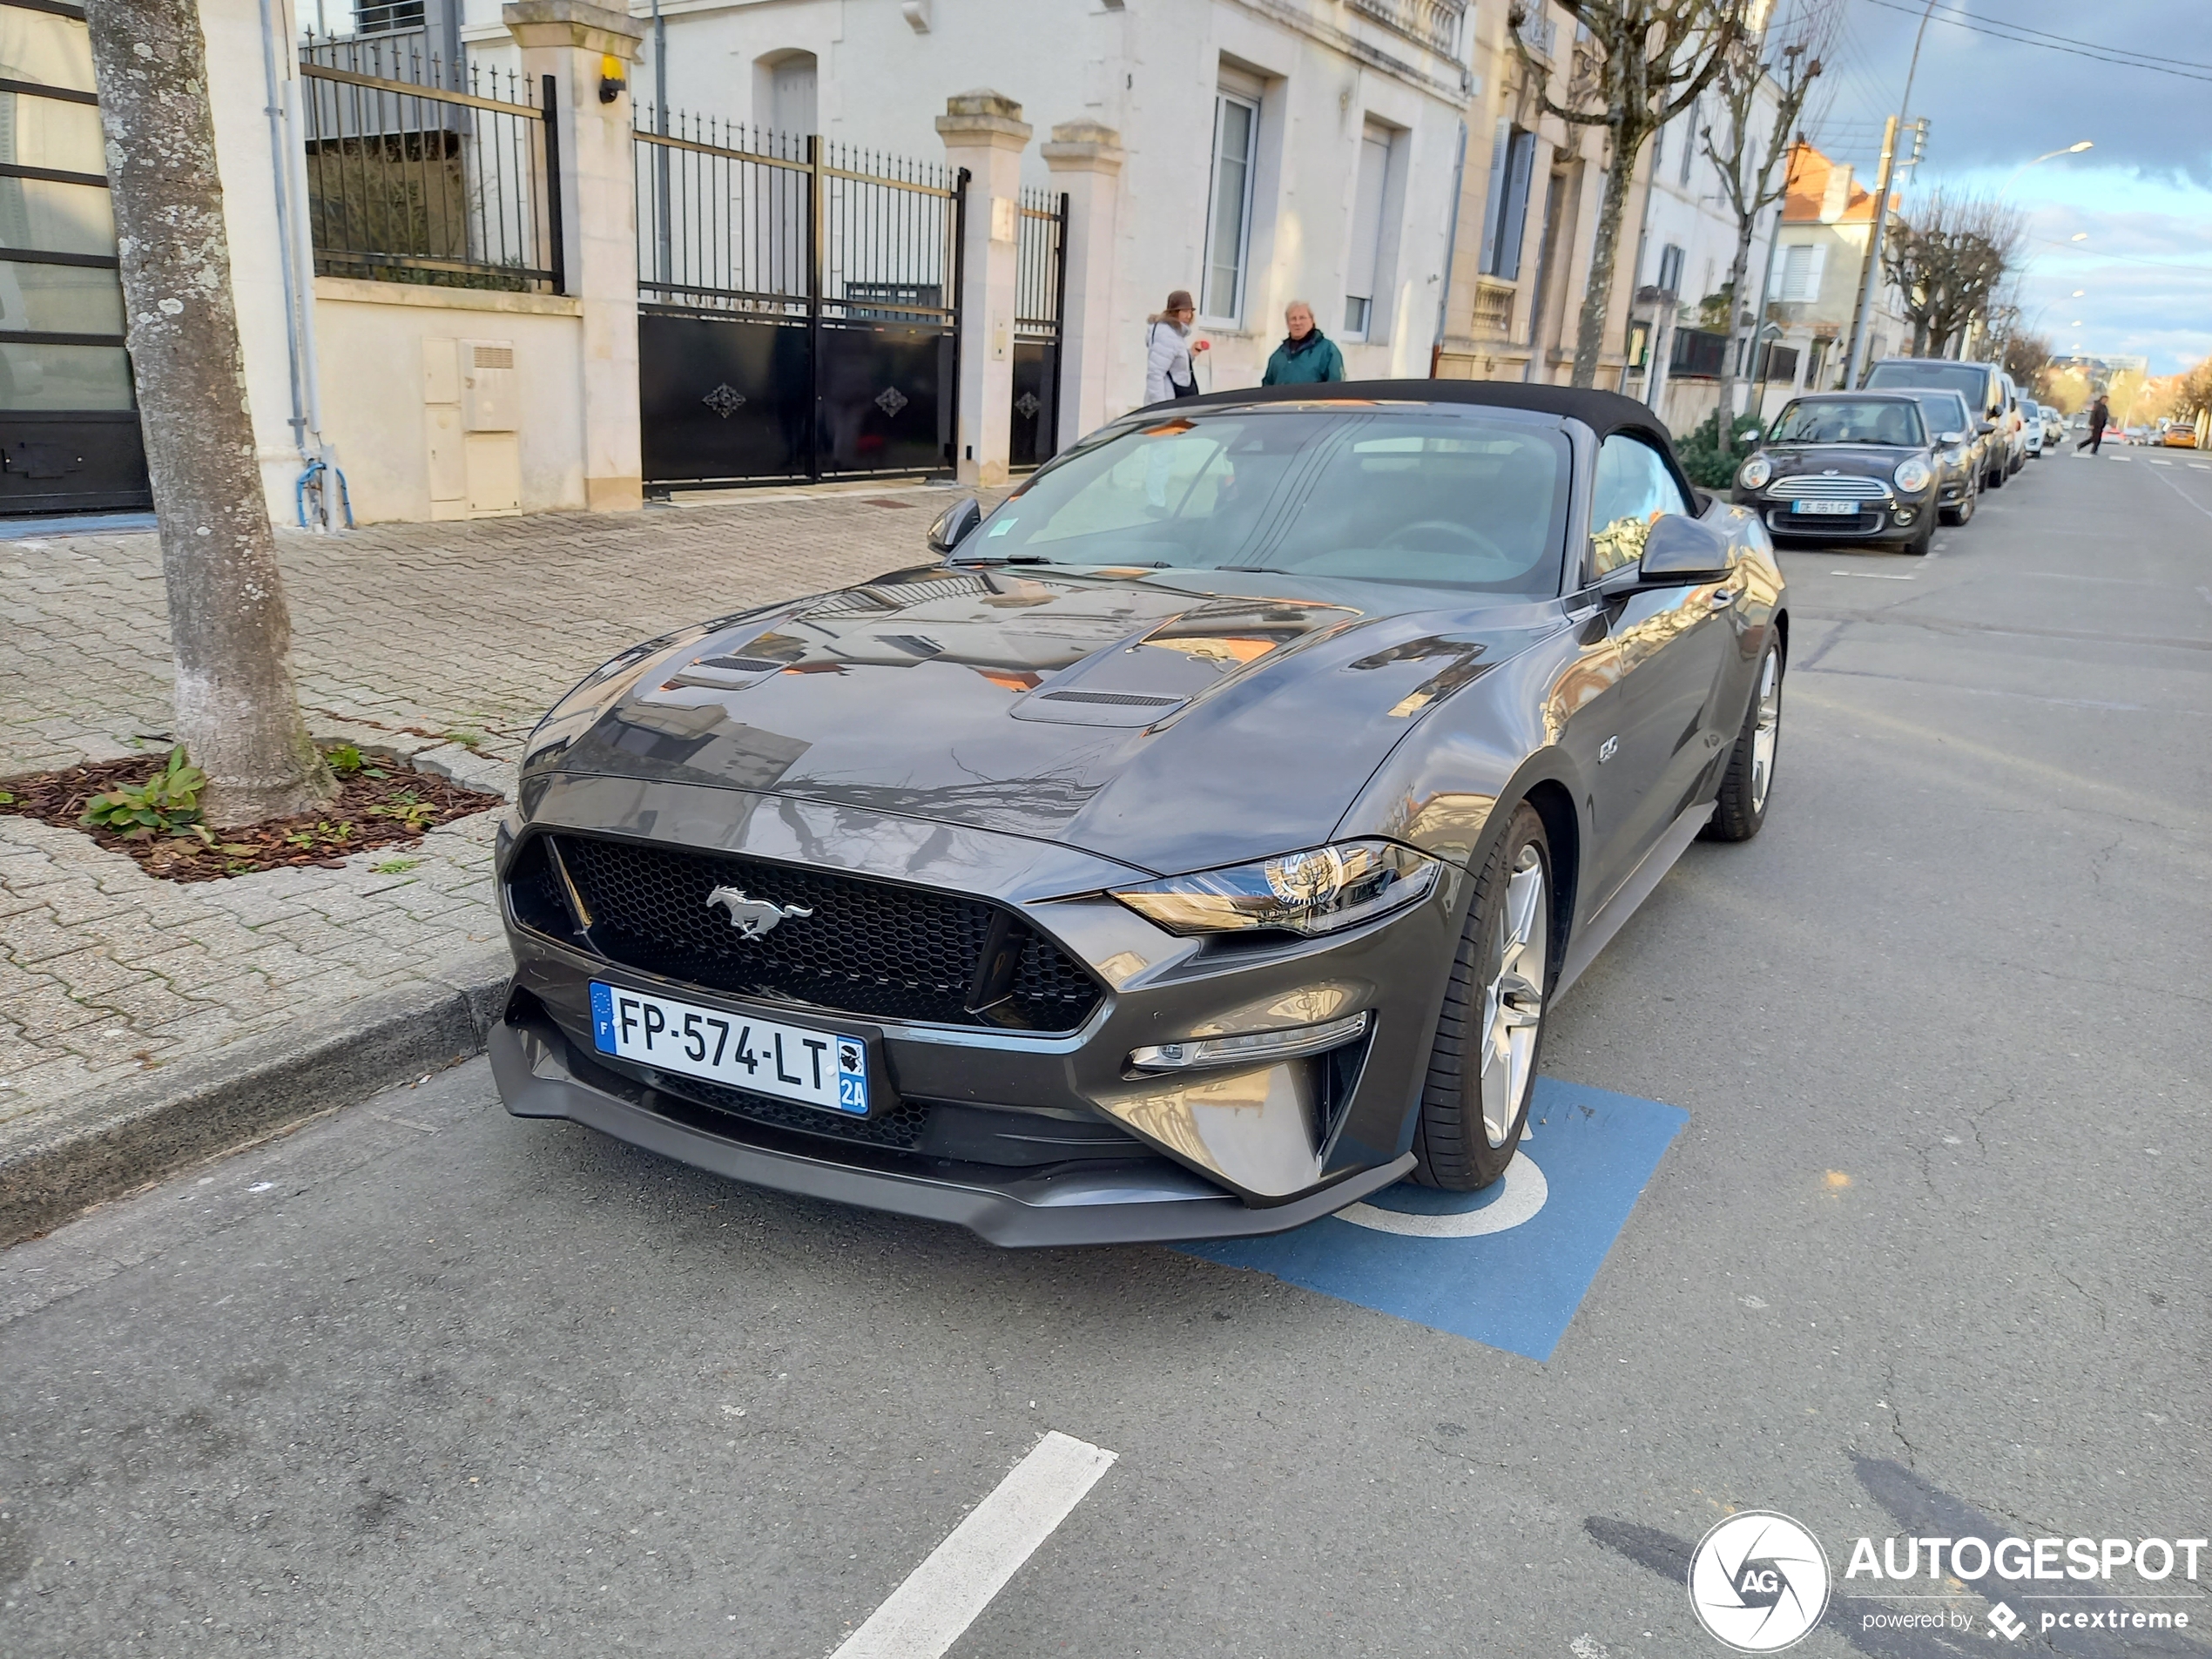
1437	497
1944	411
1969	380
1890	420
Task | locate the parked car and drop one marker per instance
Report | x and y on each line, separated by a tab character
1965	443
2053	427
1848	466
2012	426
1193	847
1982	384
2181	437
2032	428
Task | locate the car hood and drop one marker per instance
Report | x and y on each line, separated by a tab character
1169	720
1849	460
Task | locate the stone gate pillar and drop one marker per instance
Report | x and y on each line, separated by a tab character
587	48
984	133
1086	162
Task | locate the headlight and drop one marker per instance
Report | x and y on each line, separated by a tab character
1755	472
1912	475
1314	891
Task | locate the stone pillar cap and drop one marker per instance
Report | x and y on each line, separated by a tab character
986	117
573	22
1079	146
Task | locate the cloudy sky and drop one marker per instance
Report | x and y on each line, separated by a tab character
2143	196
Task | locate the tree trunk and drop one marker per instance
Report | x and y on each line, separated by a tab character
1739	272
1597	299
236	714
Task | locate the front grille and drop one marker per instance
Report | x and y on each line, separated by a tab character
899	1128
1807	488
870	948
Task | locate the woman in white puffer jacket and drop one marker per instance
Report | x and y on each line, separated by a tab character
1169	348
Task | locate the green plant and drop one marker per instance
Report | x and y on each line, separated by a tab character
6	799
394	866
409	808
166	803
1700	454
304	840
347	760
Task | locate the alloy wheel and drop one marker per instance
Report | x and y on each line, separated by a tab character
1513	1005
1768	733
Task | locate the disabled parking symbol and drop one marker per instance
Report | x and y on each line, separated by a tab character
1507	1265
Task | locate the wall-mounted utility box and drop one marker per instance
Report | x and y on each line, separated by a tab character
471	409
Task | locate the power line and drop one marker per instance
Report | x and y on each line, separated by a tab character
2077	49
2130	259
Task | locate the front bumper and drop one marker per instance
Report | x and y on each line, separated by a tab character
1136	1200
1891	517
1026	1138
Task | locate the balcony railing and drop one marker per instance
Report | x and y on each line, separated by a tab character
1435	23
1539	30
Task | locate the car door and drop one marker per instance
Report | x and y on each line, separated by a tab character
1675	641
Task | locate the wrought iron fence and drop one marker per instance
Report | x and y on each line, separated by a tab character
1041	281
1435	23
739	219
420	171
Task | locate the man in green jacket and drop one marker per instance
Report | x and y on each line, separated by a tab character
1306	356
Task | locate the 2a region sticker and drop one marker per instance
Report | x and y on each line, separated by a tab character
1507	1265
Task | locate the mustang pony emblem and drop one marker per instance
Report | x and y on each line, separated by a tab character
753	917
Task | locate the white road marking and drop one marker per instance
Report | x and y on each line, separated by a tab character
1876	576
2158	461
1526	1190
925	1615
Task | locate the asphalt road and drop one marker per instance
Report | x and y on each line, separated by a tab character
420	1378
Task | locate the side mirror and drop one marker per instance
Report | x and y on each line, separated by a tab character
953	525
1679	550
1986	428
1949	438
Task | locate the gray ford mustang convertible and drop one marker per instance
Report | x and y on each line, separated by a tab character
1192	847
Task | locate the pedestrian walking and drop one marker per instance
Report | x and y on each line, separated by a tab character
2100	412
1307	356
1170	351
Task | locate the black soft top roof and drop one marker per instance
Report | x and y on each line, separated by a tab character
1604	413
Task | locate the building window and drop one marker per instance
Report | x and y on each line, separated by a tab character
1229	205
1689	138
1802	267
1671	259
1366	231
1512	161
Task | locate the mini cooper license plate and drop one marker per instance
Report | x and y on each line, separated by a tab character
1848	508
824	1069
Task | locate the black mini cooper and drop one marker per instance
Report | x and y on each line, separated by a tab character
1848	466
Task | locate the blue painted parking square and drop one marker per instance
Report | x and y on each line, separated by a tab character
1506	1266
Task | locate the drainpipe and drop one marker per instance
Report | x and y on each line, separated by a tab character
281	180
1451	247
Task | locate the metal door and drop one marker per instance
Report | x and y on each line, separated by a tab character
798	307
69	421
1040	299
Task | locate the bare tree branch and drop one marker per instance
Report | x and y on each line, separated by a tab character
1645	62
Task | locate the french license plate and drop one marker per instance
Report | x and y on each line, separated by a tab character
1850	509
824	1069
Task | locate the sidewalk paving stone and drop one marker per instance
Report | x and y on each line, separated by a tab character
440	643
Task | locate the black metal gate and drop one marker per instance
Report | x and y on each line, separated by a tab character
798	303
1040	299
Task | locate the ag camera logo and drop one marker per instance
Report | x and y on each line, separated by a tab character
1759	1581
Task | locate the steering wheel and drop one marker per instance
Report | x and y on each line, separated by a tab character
1474	539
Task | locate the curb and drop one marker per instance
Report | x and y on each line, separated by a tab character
58	1163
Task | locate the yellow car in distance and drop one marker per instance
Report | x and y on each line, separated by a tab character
2179	437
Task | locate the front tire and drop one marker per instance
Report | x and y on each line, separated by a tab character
1482	1071
1740	812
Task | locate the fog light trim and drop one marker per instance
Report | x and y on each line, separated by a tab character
1249	1047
